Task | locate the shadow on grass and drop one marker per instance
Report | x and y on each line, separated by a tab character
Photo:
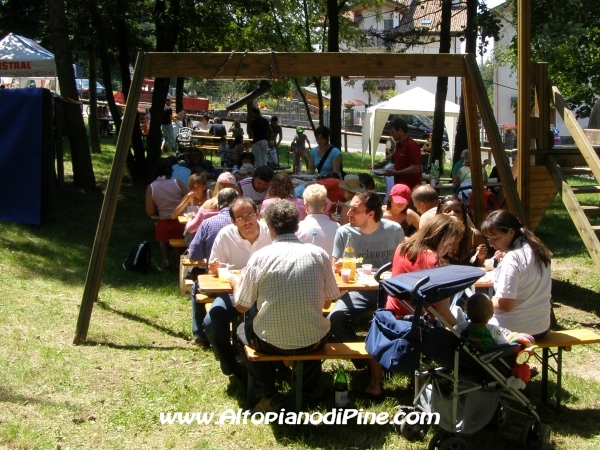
144	321
567	293
92	343
10	397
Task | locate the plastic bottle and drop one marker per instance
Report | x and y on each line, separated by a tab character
340	387
314	238
349	258
435	172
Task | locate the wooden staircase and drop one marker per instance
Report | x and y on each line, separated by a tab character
561	167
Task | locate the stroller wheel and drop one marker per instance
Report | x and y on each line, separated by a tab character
500	418
438	438
454	443
528	434
414	432
543	438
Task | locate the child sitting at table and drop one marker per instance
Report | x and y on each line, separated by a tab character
477	330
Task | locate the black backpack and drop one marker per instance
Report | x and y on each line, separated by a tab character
139	259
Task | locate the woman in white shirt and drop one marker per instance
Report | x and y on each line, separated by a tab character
523	277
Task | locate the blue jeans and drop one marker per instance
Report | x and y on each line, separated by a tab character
347	309
350	307
198	314
217	328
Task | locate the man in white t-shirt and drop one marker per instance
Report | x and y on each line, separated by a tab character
256	187
234	245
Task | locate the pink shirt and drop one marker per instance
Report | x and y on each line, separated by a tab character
193	225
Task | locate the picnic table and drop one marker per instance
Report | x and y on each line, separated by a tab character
210	284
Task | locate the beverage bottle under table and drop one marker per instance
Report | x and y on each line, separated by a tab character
340	388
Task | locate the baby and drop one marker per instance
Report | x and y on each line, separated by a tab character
477	330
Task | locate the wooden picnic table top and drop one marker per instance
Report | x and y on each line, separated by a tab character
210	284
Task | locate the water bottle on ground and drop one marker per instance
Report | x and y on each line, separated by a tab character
340	387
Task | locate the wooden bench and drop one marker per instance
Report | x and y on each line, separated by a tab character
177	243
562	340
185	264
334	350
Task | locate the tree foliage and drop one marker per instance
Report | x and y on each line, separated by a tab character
566	35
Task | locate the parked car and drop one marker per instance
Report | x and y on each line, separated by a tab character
419	126
83	88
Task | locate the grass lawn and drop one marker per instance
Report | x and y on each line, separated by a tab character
108	393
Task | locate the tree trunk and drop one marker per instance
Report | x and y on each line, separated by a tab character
179	94
333	45
439	115
461	142
83	172
136	161
167	32
93	122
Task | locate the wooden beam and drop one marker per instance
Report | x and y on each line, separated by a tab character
542	105
474	150
491	128
582	141
586	231
524	95
276	65
109	206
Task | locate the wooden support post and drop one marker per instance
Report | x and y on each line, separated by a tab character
346	142
474	150
109	206
487	116
524	104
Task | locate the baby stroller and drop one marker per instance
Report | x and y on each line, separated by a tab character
467	387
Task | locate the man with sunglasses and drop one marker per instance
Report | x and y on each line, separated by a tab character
233	245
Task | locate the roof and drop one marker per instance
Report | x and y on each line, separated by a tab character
428	14
23	57
313	90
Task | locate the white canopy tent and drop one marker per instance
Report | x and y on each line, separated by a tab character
415	101
23	58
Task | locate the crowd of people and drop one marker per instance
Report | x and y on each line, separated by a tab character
258	221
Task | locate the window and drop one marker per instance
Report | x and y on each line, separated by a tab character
388	24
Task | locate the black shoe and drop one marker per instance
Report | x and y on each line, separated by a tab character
201	342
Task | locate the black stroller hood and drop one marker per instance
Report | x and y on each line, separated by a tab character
432	285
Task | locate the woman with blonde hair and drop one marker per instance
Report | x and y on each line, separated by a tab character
425	249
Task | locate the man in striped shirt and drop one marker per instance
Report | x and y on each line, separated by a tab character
291	283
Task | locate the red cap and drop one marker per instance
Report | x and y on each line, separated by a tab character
400	193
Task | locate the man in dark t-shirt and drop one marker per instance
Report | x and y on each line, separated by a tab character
259	129
167	127
217	128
